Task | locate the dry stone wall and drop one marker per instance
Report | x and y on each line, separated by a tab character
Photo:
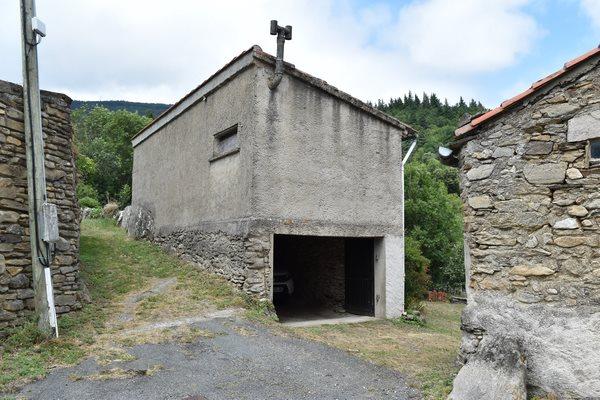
242	260
16	294
532	224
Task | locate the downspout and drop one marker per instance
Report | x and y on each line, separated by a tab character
283	34
404	161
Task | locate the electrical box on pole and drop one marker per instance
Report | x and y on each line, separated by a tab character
43	220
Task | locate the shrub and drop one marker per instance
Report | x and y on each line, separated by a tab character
110	210
125	196
96	213
89	202
86	190
417	278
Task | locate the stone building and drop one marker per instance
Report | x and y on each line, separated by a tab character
302	180
16	293
530	177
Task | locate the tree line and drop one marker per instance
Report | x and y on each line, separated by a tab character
433	209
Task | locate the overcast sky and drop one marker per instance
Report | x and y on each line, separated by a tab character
157	50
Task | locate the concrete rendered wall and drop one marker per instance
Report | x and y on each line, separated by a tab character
172	174
308	164
197	208
532	223
322	167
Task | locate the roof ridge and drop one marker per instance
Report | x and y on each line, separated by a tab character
258	53
535	87
334	91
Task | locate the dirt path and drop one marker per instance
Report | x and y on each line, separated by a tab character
229	358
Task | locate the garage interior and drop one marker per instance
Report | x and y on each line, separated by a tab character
328	277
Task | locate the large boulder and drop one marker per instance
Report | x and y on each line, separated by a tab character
123	217
560	343
496	371
140	223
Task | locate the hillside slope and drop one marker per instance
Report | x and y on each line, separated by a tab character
147	109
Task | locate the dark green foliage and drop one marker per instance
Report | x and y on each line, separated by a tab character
105	158
435	121
124	196
417	279
151	110
86	190
432	208
89	202
433	218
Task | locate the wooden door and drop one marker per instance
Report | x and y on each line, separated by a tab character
360	276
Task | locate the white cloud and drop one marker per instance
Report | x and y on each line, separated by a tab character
592	9
152	50
467	35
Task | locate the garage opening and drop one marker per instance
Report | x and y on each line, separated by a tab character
316	277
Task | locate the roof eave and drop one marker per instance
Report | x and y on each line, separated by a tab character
240	63
471	128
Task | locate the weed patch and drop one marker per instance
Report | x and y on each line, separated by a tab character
424	351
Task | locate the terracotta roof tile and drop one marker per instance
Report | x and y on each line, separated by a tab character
474	123
513	100
486	116
582	57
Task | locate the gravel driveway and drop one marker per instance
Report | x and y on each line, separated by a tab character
242	361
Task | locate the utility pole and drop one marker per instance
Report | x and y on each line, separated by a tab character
32	30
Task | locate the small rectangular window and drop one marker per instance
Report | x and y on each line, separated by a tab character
225	143
595	151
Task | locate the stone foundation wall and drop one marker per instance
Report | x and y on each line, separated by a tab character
16	294
242	260
532	223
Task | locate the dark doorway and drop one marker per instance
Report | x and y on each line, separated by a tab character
360	276
317	277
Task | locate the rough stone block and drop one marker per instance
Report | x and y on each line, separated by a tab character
570	241
491	239
478	202
481	172
20	281
65	300
593	204
13	305
546	173
8	216
584	127
567	223
503	152
23	294
559	109
531	270
496	370
577	211
6	316
574	173
536	147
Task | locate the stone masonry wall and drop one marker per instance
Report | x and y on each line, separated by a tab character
532	224
16	294
242	260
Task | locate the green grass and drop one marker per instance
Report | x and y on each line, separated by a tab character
424	352
113	266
